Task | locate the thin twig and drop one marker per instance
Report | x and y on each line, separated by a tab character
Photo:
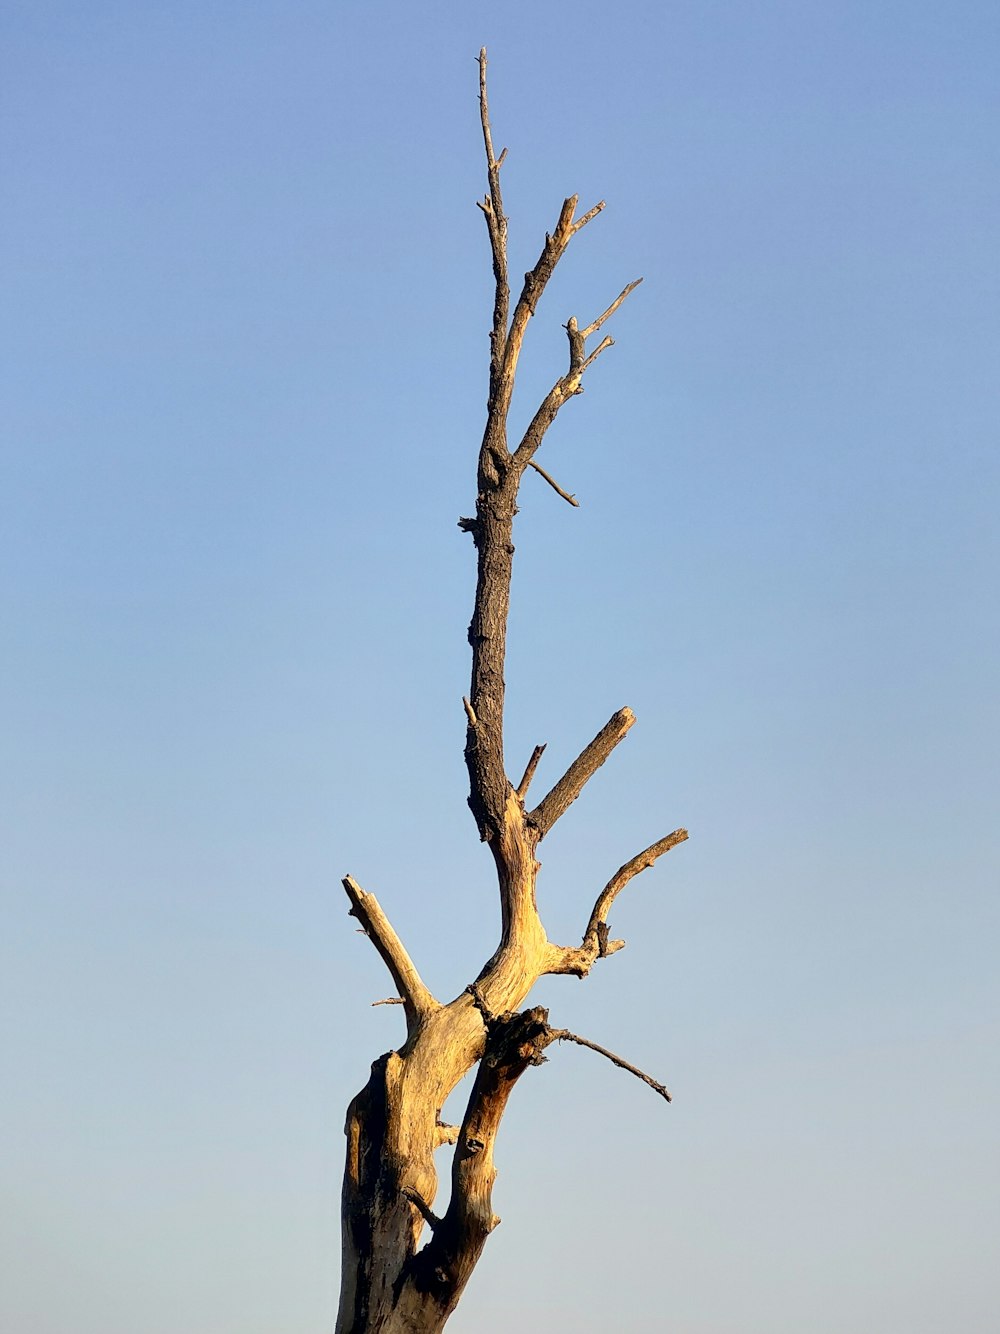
593	328
606	342
484	113
564	1035
389	1000
572	500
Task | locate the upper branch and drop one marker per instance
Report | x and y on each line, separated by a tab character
586	764
416	998
535	281
496	224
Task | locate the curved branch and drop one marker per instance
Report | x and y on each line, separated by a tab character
596	945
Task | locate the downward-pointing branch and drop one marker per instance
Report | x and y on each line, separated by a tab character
564	1035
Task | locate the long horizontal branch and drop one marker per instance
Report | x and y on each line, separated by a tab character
596	944
417	999
586	764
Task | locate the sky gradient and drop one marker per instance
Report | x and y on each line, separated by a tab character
246	300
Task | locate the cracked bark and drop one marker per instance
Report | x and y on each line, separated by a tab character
404	1267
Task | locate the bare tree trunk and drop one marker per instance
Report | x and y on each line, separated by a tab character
393	1125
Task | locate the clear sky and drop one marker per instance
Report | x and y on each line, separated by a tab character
246	294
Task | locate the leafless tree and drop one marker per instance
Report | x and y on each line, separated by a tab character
390	1283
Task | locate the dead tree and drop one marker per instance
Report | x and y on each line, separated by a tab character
390	1283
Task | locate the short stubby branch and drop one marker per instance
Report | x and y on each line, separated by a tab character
521	790
416	998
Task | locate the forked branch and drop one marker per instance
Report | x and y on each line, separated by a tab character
567	385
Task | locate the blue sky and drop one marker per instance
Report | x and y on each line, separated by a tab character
246	296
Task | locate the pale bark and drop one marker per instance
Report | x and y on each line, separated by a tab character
392	1283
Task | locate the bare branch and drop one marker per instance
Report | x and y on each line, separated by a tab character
389	1000
496	225
572	500
596	944
569	787
606	342
564	1035
470	712
529	772
417	1000
593	328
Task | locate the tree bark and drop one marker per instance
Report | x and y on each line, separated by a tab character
391	1283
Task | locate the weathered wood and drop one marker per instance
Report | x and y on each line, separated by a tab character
405	1266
